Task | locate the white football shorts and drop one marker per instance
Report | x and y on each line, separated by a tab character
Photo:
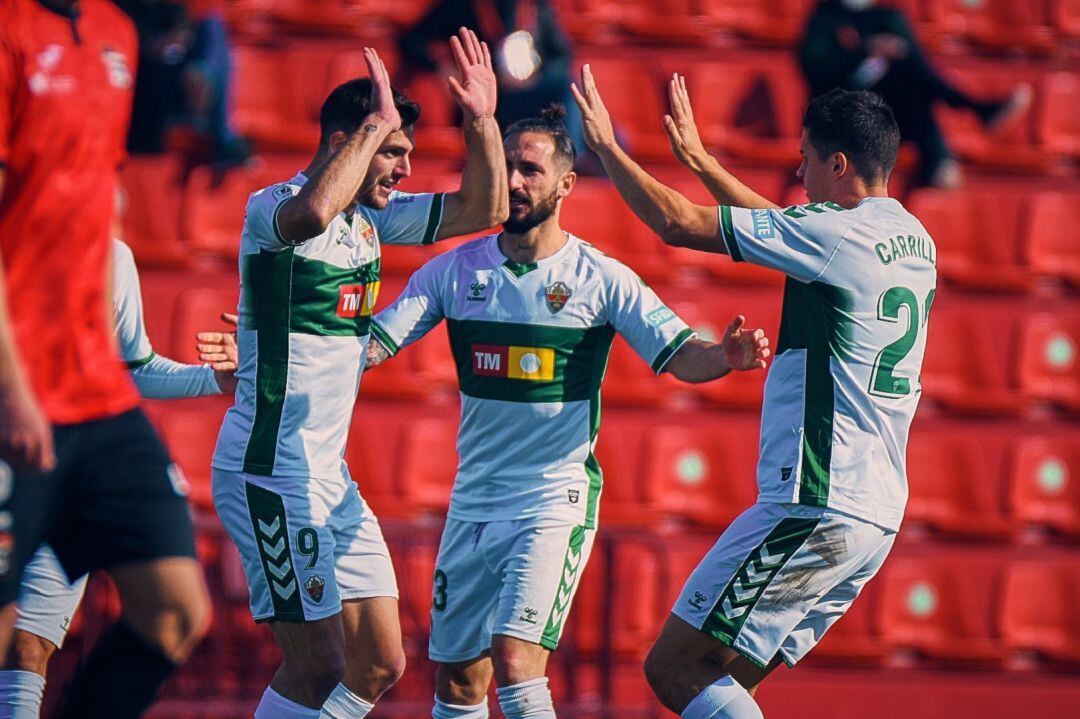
514	577
306	544
778	578
47	600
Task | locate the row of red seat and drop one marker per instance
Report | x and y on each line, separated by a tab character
973	480
996	25
990	356
758	119
1008	239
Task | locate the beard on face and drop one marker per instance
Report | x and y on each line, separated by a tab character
540	211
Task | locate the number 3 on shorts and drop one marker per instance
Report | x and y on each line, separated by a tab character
438	601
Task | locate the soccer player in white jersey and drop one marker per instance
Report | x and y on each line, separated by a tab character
47	600
531	315
839	398
317	566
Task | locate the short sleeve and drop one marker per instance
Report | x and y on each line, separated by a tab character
261	220
408	219
127	304
798	241
653	330
416	310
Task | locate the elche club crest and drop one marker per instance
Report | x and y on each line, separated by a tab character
557	294
314	586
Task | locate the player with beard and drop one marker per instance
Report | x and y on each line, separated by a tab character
531	314
317	566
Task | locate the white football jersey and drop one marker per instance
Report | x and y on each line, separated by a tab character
305	310
843	388
531	344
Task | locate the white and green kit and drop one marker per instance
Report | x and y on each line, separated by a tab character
839	401
281	486
530	344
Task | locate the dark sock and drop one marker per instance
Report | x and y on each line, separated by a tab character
119	679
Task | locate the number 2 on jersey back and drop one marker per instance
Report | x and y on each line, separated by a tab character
883	383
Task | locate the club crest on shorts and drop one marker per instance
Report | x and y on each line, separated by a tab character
557	294
314	586
573	495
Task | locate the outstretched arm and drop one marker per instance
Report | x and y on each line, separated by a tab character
333	187
669	214
483	200
740	349
686	144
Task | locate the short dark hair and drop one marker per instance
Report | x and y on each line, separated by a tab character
550	122
350	102
858	124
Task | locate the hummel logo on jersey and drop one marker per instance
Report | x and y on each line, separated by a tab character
698	600
528	363
785	473
529	615
357	300
476	292
557	295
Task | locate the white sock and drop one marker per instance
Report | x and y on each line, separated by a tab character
343	704
459	711
724	699
527	700
20	694
274	706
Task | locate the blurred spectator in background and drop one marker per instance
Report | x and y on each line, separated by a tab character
857	46
182	81
531	52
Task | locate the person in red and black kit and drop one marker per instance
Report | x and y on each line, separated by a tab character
80	466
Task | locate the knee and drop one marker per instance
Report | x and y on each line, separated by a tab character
29	653
175	627
660	676
385	672
460	684
514	664
316	679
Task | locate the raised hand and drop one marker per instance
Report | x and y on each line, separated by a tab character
219	350
383	110
474	88
599	132
681	130
744	349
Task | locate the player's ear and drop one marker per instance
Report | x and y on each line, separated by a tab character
337	139
566	183
838	164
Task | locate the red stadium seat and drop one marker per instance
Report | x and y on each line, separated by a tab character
1045	482
1038	611
775	21
703	469
618	450
977	234
1066	16
970	356
939	605
1059	128
1049	366
635	94
1014	145
629	379
372	453
428	463
1051	251
189	429
153	188
161	290
996	24
270	102
956	478
681	21
199	310
761	112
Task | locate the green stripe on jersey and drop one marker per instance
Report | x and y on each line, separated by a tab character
384	339
267	277
568	580
672	347
727	231
817	317
748	583
434	219
580	360
309	289
135	364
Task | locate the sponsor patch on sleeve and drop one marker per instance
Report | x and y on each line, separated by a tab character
282	192
763	225
659	316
